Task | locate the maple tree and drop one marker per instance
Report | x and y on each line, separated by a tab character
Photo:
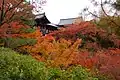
84	44
12	14
64	52
93	37
108	15
14	9
59	52
10	35
51	51
109	62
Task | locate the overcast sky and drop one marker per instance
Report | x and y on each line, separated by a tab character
62	9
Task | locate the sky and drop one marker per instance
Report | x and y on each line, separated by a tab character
62	9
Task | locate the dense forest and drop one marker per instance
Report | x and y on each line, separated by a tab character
88	50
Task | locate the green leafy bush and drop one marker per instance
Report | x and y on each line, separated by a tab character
29	22
27	30
14	66
17	42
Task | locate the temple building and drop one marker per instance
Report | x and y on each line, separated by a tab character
70	21
45	25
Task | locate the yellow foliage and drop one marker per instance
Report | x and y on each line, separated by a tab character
61	52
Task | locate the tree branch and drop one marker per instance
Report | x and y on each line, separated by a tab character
12	8
108	15
8	20
93	14
2	12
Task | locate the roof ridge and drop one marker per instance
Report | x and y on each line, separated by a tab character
70	18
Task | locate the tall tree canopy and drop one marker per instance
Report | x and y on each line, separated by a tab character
117	4
14	9
108	15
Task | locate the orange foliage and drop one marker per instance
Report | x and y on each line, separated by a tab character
37	34
12	29
65	52
61	52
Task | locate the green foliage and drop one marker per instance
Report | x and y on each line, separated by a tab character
27	30
84	38
18	67
79	73
14	66
28	22
17	42
73	73
110	24
105	42
104	77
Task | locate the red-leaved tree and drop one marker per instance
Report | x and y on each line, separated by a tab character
14	9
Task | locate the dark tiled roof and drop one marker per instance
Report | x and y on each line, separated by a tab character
67	21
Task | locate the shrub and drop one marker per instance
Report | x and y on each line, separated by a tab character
93	37
109	63
27	30
12	35
17	42
18	67
14	66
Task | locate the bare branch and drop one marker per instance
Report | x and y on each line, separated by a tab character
93	14
8	20
108	15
